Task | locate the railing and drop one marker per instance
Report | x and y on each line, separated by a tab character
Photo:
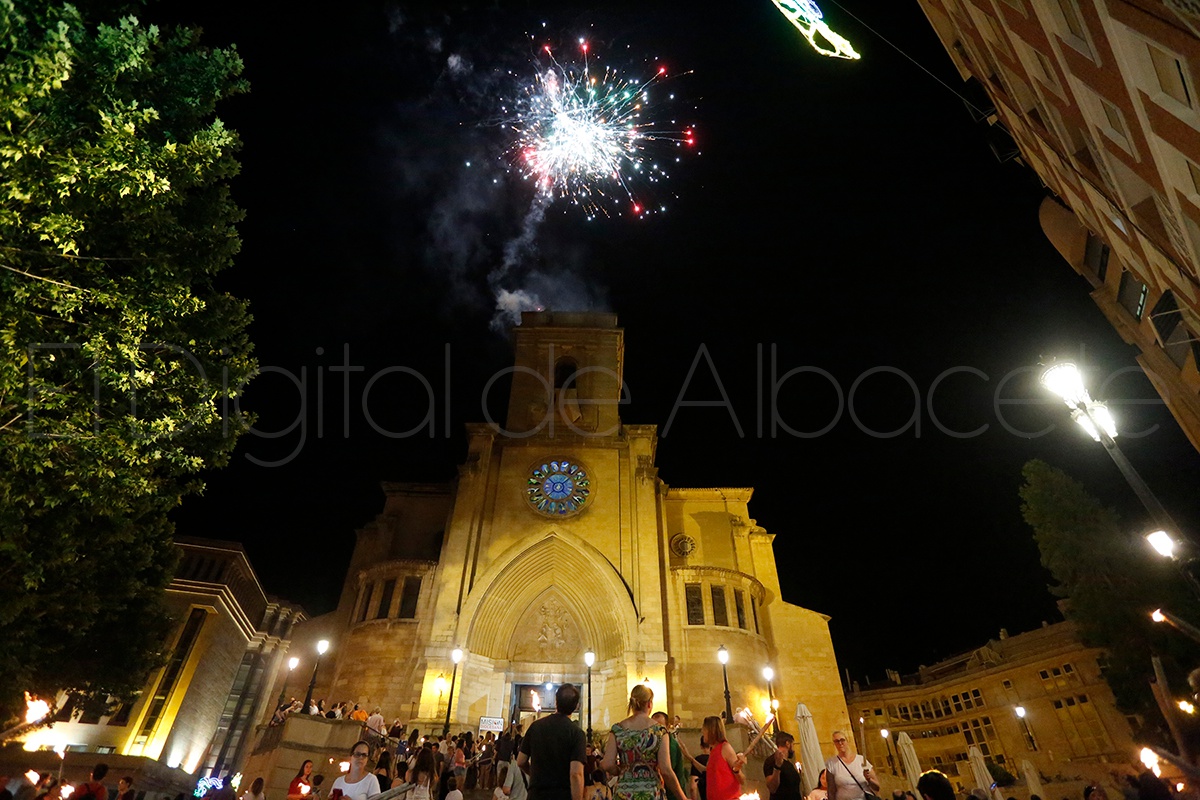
393	793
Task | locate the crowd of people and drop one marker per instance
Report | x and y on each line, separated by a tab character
642	759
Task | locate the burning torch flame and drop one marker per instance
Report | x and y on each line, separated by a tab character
344	766
1150	760
35	710
33	776
66	790
305	788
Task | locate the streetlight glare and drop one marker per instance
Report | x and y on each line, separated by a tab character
1066	381
456	655
722	655
1162	543
1186	707
768	673
322	646
1020	711
589	658
884	733
1158	616
293	662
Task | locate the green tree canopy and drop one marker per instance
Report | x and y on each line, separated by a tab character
1111	582
117	352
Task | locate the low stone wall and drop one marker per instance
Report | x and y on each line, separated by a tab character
278	752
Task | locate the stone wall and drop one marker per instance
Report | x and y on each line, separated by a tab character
279	752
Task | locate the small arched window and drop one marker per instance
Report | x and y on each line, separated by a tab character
564	373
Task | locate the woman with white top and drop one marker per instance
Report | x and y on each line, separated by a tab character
849	776
358	783
423	775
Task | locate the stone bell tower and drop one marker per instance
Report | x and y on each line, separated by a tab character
567	379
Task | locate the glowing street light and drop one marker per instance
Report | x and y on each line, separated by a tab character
1064	379
1186	707
1162	543
723	657
1030	741
456	656
322	646
292	663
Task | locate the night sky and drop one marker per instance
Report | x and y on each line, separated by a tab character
849	214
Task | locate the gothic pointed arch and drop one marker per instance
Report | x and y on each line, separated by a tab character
549	601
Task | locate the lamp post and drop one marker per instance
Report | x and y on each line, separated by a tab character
886	734
456	656
589	658
1166	546
322	646
1064	379
723	657
1029	740
769	675
293	662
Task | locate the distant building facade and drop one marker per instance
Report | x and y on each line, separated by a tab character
198	712
559	537
1101	99
1072	730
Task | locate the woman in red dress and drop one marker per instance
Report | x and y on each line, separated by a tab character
723	774
301	785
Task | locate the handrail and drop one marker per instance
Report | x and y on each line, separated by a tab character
393	793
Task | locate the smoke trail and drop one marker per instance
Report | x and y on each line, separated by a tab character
518	252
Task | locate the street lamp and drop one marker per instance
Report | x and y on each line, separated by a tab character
1166	546
589	658
322	646
293	662
723	657
1064	379
885	733
456	656
769	675
1029	740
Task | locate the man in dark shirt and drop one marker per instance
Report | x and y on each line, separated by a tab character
783	778
552	751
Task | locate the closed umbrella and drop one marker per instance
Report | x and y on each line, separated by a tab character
810	749
1032	778
908	757
979	771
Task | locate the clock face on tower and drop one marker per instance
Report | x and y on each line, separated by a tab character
557	488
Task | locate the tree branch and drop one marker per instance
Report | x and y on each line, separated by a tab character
40	278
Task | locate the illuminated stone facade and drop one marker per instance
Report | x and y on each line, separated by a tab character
558	537
197	714
1101	100
1072	732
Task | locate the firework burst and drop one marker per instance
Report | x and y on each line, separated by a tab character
590	136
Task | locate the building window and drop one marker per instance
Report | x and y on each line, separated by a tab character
120	717
1194	173
1007	684
1095	256
979	732
694	599
408	597
1115	119
170	675
1132	294
739	603
754	613
720	613
385	599
1082	726
1071	19
364	601
1171	76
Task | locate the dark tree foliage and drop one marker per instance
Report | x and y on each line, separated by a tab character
117	353
1111	582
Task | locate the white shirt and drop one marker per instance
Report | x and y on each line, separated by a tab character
516	781
375	723
840	772
454	794
367	787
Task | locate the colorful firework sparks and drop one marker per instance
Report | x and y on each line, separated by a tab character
809	20
589	137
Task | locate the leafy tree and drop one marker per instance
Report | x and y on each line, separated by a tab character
1002	777
117	352
1110	585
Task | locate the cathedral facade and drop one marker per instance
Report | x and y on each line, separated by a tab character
559	539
